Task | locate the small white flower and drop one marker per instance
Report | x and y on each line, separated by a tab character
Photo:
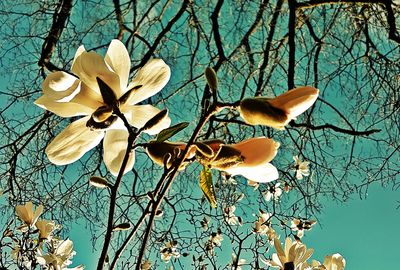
214	240
301	168
240	263
301	226
261	226
169	251
273	192
229	215
204	223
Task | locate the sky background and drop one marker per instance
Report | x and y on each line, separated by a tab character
364	231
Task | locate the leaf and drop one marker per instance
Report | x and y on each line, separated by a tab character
155	119
171	131
206	185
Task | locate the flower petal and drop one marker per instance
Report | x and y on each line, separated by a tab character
73	142
262	174
89	65
153	77
138	115
61	86
257	151
118	59
63	109
115	144
296	101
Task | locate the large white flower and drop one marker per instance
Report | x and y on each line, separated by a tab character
100	85
292	257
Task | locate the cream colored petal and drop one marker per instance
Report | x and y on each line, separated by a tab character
118	59
73	142
262	174
296	101
257	150
76	67
63	109
61	86
22	213
153	77
38	212
276	262
115	144
138	115
90	65
65	248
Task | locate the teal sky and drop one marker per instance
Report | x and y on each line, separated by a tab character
363	230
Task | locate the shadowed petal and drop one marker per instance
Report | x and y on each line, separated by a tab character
257	150
61	86
73	142
153	77
118	59
138	115
63	109
115	144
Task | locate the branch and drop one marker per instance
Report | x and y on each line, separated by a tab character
291	43
59	18
335	128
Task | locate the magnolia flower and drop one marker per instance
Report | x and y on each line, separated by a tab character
239	263
230	216
261	225
169	251
334	262
249	158
279	111
204	223
45	228
294	255
59	257
146	265
100	89
214	240
273	192
301	168
301	226
27	215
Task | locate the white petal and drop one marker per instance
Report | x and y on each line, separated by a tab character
115	144
76	67
153	77
296	101
63	109
61	86
118	58
90	65
262	174
138	115
73	142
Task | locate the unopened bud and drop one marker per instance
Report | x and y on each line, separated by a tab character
98	182
211	77
122	227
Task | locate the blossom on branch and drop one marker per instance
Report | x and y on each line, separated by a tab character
169	251
279	111
301	168
27	215
98	90
45	228
300	226
59	257
249	158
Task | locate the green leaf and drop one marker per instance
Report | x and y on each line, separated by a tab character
171	131
206	185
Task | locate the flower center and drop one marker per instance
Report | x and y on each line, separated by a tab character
102	118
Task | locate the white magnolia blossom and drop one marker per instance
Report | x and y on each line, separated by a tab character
301	168
230	216
273	192
214	240
261	225
169	251
96	89
300	226
27	215
334	262
239	263
294	255
59	257
45	227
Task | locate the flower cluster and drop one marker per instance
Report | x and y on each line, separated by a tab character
37	241
169	251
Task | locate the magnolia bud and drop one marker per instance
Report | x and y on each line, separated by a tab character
211	77
98	182
122	227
